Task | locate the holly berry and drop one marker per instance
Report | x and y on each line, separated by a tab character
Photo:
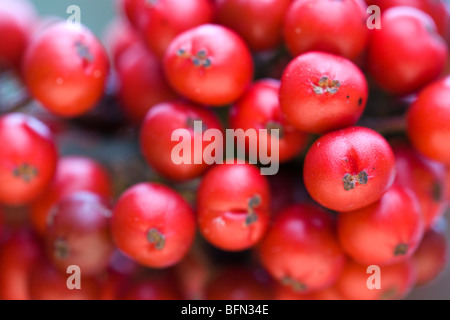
301	249
209	64
28	158
337	27
153	225
233	206
349	169
321	92
65	69
160	146
394	223
259	109
401	66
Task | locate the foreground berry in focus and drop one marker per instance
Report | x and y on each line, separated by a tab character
28	158
386	232
209	64
65	69
301	249
233	206
321	92
153	225
349	169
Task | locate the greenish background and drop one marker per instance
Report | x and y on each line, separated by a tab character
95	14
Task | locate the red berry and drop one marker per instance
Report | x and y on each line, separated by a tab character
349	169
321	92
153	224
209	64
78	233
401	66
301	249
159	146
259	108
161	21
65	69
431	257
259	23
428	121
28	158
337	27
73	173
233	206
17	20
385	232
395	281
142	83
425	177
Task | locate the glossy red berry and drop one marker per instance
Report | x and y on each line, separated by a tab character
28	158
301	249
337	27
178	157
65	69
401	66
78	233
153	225
385	232
321	92
233	206
259	23
428	121
209	64
161	21
349	169
73	173
259	109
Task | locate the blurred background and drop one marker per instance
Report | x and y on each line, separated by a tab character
97	14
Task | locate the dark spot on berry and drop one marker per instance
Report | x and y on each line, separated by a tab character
157	238
401	249
360	101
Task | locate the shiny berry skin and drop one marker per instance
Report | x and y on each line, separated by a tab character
259	23
337	27
153	225
423	176
301	249
142	83
159	147
321	92
161	21
233	206
17	20
349	169
209	64
396	281
73	173
65	69
259	108
397	64
428	121
78	233
28	158
385	232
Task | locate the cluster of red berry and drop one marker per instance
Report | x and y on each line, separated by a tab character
362	116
